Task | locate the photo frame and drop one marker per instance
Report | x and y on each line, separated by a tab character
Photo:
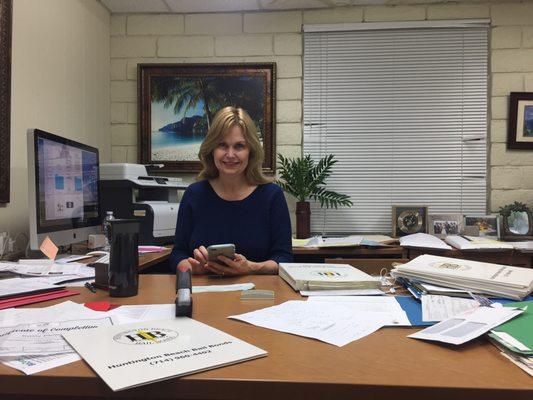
442	225
6	17
514	231
178	101
407	220
520	123
488	225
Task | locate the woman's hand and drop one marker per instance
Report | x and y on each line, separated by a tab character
199	261
238	266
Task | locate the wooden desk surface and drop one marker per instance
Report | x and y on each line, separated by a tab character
383	365
150	259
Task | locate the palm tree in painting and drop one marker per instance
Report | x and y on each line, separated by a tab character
183	93
186	93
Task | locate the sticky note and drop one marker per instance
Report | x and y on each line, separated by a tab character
49	248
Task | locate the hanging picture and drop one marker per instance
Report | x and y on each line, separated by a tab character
520	131
177	103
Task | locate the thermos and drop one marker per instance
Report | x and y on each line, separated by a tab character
124	257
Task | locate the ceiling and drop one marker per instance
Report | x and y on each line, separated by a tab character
201	6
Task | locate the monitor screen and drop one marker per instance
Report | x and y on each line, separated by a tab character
64	194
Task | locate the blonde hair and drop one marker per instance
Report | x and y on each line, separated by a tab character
224	120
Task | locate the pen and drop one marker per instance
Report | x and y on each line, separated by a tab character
89	286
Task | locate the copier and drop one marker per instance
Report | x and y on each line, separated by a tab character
128	191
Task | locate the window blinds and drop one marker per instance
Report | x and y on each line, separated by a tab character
404	111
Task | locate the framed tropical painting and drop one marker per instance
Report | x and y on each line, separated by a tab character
520	129
177	103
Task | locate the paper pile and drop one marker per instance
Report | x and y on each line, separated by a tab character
31	341
515	338
304	276
494	279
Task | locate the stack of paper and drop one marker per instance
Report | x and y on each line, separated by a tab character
525	247
30	338
346	241
302	276
515	337
476	243
424	240
495	279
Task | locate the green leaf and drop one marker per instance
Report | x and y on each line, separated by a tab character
304	180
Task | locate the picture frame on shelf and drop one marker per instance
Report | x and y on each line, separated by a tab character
520	123
407	220
488	225
442	225
177	102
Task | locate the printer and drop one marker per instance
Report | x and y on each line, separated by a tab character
128	191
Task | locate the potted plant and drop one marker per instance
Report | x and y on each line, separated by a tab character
304	179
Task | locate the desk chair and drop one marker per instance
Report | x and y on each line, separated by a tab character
371	266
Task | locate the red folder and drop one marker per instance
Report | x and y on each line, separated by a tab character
35	298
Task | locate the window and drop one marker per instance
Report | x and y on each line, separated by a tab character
404	111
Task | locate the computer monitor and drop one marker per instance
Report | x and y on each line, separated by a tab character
63	189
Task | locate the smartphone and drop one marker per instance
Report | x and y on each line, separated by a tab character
216	250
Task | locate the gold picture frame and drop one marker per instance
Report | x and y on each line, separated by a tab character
407	220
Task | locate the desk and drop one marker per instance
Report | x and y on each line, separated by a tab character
150	259
313	254
384	365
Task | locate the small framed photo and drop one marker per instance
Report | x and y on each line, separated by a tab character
442	225
520	129
407	220
488	225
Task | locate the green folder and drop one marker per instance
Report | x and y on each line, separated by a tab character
520	328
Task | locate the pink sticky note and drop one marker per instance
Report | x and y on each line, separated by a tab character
48	248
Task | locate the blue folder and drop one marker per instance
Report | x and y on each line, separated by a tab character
413	308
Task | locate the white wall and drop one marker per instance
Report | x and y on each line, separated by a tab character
276	36
60	83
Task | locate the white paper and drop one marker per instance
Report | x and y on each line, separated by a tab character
443	289
136	354
439	308
42	338
44	269
33	364
342	292
467	325
525	247
346	241
64	311
386	306
13	286
520	362
223	288
424	240
511	340
337	325
136	313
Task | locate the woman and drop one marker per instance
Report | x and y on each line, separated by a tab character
233	202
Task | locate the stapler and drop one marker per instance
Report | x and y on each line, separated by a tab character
183	292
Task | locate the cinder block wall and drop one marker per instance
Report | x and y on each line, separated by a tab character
276	36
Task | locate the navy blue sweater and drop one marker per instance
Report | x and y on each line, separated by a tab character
259	225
